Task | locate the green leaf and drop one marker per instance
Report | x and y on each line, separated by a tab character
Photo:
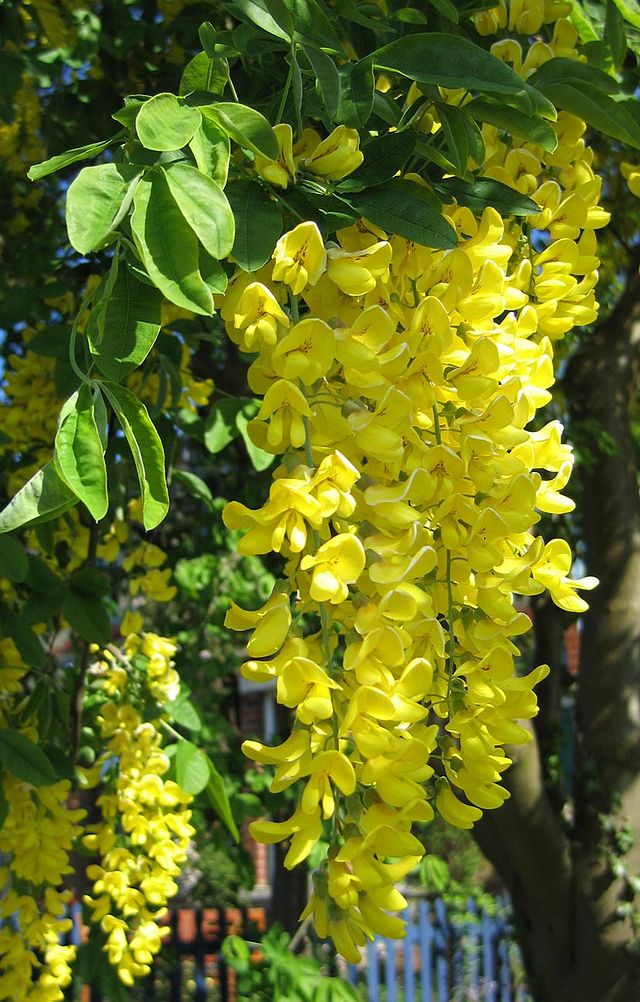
94	202
582	23
260	460
194	485
89	582
384	156
44	497
245	126
14	562
204	205
219	800
327	78
22	758
166	123
610	117
454	61
313	25
484	191
220	424
168	246
147	451
446	8
204	74
128	327
535	130
79	453
88	617
213	273
408	210
630	10
70	157
258	224
210	147
192	767
409	15
271	16
4	807
571	72
462	137
357	87
26	640
183	712
614	35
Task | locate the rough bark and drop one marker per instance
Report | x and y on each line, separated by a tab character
568	877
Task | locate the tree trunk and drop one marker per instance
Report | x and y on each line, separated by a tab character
568	877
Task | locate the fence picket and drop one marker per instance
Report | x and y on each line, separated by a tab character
407	953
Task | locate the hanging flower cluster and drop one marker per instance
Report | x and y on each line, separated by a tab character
398	383
144	831
36	836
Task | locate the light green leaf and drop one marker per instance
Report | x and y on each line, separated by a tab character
192	767
271	16
22	758
406	209
357	87
582	23
454	61
260	460
245	126
219	800
409	15
165	123
14	562
70	157
210	147
94	201
168	246
147	451
79	454
630	10
204	205
483	192
128	327
44	497
536	130
258	224
194	485
204	74
327	78
220	424
183	712
213	273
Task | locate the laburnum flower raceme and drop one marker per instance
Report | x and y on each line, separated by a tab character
398	384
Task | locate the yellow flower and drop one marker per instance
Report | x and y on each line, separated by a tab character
300	257
281	171
270	624
338	563
306	352
356	272
337	155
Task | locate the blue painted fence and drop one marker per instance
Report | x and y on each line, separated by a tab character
445	957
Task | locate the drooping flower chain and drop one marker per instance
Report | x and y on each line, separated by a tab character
398	383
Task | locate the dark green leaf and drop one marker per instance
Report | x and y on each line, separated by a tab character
22	758
94	201
447	8
573	73
26	640
4	807
168	246
192	767
70	157
535	130
384	156
454	61
483	192
88	617
327	78
210	147
194	485
313	25
258	224
128	327
164	123
204	205
614	34
40	577
147	451
245	126
611	118
408	210
90	582
44	497
219	800
357	87
79	454
14	562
